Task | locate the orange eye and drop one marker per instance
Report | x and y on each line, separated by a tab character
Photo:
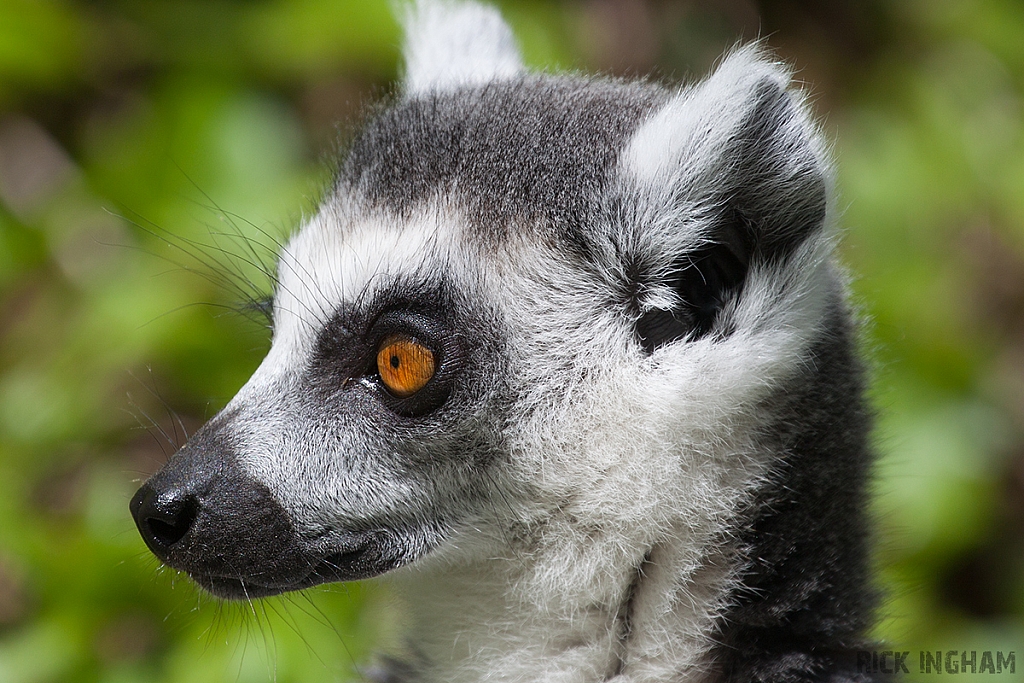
405	365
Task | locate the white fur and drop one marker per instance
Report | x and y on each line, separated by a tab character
338	256
700	120
451	44
617	457
610	484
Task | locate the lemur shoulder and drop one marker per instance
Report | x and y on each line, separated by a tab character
569	360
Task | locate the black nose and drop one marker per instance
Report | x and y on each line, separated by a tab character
164	517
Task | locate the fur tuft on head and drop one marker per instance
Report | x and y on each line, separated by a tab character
452	44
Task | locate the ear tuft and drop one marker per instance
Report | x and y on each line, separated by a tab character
741	143
703	116
450	44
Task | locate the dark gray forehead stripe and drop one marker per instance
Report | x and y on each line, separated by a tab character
536	148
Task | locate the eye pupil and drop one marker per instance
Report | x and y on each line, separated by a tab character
404	365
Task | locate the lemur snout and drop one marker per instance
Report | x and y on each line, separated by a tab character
204	514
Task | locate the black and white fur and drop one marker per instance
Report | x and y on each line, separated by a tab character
643	456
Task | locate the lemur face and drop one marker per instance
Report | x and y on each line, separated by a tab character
361	439
524	297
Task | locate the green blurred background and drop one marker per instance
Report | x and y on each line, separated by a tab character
139	141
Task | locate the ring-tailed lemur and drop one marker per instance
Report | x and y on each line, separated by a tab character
569	358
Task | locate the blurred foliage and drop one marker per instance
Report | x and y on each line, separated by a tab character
153	152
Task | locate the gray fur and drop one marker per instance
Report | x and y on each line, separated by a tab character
505	152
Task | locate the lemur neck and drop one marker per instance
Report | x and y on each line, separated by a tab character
646	620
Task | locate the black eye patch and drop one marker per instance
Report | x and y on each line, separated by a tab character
346	357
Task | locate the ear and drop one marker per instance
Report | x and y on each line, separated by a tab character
741	141
730	173
450	44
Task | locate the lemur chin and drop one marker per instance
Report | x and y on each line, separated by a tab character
568	359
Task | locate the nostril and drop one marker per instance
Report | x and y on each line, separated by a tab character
163	519
166	531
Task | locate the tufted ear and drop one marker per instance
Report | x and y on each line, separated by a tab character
729	172
740	142
450	44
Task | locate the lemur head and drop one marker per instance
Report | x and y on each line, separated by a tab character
536	316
